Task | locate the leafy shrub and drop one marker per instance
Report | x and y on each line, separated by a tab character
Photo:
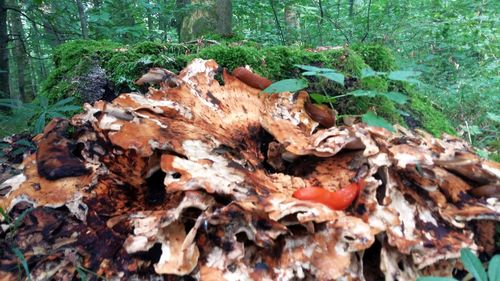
475	268
33	116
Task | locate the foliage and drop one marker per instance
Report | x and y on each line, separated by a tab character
475	268
371	79
123	64
13	226
33	116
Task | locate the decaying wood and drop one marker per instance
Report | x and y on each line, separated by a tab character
197	179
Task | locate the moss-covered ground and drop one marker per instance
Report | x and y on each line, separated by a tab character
124	64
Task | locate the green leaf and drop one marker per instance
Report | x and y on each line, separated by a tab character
63	102
40	123
24	142
310	73
318	98
493	117
19	219
44	101
494	268
396	97
368	72
473	264
21	258
4	215
287	85
334	76
314	68
67	108
404	75
81	274
403	113
18	151
11	103
364	93
373	120
55	115
432	278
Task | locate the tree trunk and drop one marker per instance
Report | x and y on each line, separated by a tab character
209	17
35	40
4	53
224	13
21	55
83	19
292	23
351	8
149	20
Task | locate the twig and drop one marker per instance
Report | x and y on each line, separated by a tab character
277	22
33	21
367	21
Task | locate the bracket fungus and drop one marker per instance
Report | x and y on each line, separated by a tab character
198	179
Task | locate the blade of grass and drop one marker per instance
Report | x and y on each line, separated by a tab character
21	258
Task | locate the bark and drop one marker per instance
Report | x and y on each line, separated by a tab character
35	39
21	55
320	23
277	21
207	17
292	23
351	8
83	19
149	20
163	23
4	53
224	13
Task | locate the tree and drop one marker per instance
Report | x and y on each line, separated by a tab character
4	53
20	53
83	19
196	18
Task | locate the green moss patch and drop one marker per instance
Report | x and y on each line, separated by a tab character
123	64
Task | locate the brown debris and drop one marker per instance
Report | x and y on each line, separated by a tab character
53	157
196	178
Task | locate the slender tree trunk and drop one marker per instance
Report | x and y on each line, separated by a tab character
224	13
4	53
83	19
320	23
162	20
292	23
21	55
35	39
351	8
277	21
149	20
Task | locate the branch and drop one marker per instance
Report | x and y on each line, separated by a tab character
35	22
339	28
367	21
321	14
277	22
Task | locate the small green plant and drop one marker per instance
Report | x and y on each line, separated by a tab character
475	268
293	85
17	148
13	226
32	116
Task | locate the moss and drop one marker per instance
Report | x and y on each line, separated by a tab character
431	119
374	83
378	57
72	60
124	64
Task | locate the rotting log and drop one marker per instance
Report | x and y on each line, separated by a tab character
197	178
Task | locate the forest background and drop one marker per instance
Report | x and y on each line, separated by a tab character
451	44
